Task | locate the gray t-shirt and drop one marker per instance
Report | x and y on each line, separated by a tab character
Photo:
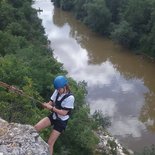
66	103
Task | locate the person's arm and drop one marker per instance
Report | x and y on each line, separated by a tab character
48	104
60	111
54	109
51	103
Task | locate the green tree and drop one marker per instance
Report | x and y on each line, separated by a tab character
18	3
115	7
9	43
15	29
12	70
138	14
31	57
124	34
148	43
98	16
12	105
6	15
80	133
67	4
79	9
56	2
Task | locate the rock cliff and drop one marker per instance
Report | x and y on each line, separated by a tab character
108	145
17	139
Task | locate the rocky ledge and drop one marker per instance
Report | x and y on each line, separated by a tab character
108	145
17	139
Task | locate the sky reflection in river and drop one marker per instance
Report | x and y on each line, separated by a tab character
109	85
110	91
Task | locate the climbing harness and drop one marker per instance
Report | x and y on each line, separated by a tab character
58	104
18	91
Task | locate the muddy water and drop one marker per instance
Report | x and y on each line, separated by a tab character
120	84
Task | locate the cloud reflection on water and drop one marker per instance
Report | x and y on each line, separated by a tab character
125	127
101	76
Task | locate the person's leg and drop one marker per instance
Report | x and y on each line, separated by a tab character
45	122
53	137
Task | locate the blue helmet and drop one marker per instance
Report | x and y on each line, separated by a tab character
60	82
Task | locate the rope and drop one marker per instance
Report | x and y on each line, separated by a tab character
18	91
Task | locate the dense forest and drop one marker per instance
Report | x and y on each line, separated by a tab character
130	23
27	63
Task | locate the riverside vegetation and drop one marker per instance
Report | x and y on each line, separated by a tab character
27	63
128	22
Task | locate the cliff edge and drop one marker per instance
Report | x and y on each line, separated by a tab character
17	139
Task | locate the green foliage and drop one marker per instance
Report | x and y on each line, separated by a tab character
9	43
124	34
6	15
15	29
98	16
56	2
101	120
12	70
148	43
79	9
18	3
67	4
15	108
64	4
115	7
113	147
138	13
79	133
79	92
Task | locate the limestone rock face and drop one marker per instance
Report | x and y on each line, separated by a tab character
17	139
109	145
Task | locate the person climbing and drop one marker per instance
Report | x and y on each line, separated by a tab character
61	104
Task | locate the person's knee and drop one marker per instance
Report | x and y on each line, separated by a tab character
37	128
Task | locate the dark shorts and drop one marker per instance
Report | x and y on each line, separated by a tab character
58	124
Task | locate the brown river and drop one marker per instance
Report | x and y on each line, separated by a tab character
120	83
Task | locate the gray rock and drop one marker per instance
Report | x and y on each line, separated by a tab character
18	139
109	145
